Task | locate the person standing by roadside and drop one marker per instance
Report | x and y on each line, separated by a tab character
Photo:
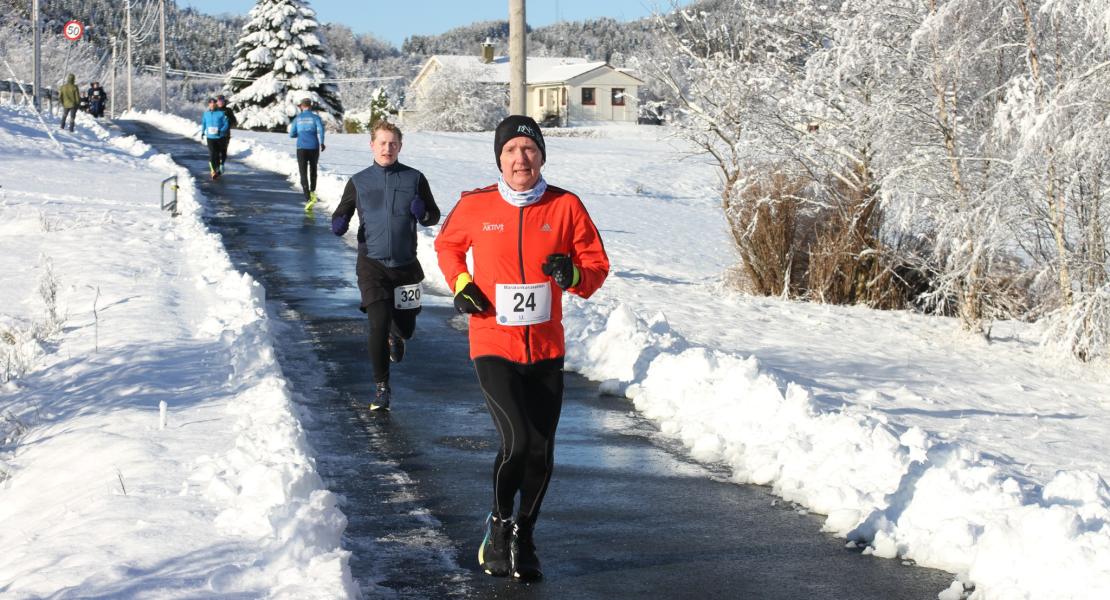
70	97
309	131
390	199
225	141
98	99
530	242
214	126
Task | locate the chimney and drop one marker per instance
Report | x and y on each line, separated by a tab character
487	51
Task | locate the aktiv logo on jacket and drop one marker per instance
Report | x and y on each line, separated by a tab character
546	228
498	227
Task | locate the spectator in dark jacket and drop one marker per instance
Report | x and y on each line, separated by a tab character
98	98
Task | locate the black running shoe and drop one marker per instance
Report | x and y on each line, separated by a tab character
493	554
526	565
382	396
396	348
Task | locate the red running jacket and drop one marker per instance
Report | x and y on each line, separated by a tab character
510	246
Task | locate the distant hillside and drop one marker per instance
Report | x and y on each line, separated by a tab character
196	41
598	39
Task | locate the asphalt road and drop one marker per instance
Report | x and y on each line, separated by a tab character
628	515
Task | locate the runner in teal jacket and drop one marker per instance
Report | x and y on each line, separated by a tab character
214	126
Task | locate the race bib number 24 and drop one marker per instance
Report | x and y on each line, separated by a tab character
523	304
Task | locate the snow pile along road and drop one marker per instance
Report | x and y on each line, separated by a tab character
100	494
898	491
941	465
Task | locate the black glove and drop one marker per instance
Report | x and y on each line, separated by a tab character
559	268
470	300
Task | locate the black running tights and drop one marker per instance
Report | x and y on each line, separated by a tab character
214	153
224	143
525	402
383	319
306	162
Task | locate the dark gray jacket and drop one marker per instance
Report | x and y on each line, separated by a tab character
383	198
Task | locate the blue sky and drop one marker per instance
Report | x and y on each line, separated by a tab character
395	20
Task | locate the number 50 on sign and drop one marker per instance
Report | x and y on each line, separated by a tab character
73	30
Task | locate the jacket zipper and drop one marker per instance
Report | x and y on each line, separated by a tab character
388	201
520	254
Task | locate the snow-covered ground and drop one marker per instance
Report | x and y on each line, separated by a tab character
917	441
99	495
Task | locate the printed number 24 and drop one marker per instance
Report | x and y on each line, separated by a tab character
522	302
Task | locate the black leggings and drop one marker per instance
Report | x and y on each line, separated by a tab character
525	402
224	143
306	162
384	319
214	154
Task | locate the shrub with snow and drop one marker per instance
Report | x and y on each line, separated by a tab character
454	100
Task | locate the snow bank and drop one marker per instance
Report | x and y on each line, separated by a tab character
901	493
96	495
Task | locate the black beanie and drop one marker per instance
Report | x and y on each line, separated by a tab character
516	126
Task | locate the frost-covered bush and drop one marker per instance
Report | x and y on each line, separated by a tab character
281	59
454	100
955	149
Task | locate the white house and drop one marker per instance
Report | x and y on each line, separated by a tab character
568	91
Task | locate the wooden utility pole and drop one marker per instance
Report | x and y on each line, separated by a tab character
112	82
518	57
162	26
128	54
36	25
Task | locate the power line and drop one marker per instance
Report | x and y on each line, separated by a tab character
225	77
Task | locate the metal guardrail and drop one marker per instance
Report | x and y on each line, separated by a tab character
172	204
13	92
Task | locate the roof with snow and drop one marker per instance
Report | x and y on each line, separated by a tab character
540	69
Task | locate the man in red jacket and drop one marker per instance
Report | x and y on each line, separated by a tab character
530	242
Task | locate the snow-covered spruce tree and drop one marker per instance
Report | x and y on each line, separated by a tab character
281	59
380	107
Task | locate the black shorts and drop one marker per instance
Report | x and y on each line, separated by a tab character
377	281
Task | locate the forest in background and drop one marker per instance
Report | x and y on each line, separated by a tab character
206	43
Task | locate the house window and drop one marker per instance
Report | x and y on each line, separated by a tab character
588	97
618	96
541	94
563	94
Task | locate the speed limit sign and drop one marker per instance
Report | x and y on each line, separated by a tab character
73	30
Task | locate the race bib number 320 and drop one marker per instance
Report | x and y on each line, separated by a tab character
523	304
406	296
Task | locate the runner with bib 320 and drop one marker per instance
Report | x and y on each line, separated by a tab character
530	242
390	199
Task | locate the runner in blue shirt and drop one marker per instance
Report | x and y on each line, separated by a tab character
309	131
214	126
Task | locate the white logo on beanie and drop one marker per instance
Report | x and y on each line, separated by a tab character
526	130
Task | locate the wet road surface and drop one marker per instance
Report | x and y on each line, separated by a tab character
627	514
